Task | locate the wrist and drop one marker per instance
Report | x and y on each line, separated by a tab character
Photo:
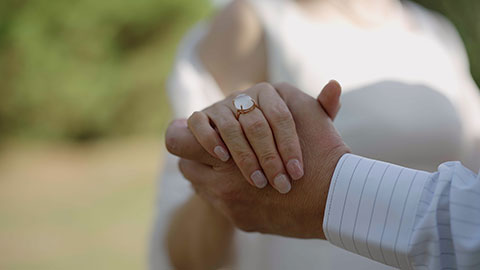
325	178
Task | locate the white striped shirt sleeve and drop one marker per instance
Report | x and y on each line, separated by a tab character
405	218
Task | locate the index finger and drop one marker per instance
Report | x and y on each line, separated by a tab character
180	142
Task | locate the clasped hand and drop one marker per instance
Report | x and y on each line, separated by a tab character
291	137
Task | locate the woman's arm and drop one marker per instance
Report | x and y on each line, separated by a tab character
199	236
233	52
234	49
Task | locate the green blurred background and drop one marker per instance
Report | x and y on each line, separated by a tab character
82	113
84	70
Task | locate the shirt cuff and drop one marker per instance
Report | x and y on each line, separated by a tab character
371	208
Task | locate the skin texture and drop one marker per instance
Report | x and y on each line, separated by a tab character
298	214
261	142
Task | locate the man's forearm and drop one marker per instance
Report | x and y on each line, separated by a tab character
199	237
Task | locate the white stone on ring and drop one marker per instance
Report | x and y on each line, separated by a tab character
243	102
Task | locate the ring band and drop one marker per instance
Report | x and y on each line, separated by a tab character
244	104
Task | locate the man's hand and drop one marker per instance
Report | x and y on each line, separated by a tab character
297	214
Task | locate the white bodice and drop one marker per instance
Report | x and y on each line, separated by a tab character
408	97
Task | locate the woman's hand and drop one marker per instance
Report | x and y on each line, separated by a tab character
300	214
263	142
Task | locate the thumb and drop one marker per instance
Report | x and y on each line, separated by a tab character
329	98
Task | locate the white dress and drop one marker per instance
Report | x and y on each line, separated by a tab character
409	83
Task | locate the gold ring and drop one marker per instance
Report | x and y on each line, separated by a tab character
244	104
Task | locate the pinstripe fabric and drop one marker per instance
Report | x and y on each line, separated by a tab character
405	218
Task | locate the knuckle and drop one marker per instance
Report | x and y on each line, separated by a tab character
196	115
282	85
245	159
286	127
194	118
284	89
231	129
257	128
264	85
269	159
281	113
288	145
284	120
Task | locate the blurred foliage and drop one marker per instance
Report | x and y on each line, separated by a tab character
85	69
81	70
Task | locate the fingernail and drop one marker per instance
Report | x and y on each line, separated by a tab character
282	184
295	169
259	179
221	153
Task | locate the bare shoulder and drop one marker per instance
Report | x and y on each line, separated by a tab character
233	50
